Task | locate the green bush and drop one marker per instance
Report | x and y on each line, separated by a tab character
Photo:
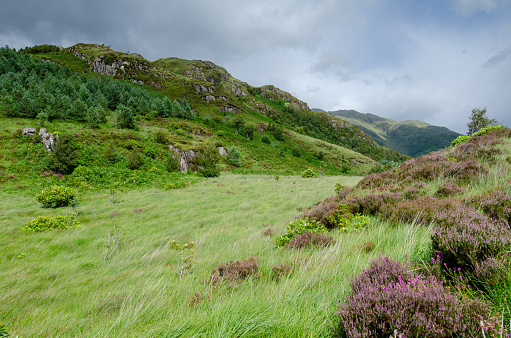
298	227
46	223
172	163
207	162
309	173
56	197
135	160
176	185
459	140
64	158
234	156
486	130
265	139
161	137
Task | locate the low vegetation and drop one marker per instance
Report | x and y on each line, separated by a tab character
104	236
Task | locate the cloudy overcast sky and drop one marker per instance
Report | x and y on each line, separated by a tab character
430	60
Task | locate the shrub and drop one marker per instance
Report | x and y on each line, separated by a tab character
265	139
64	158
297	227
310	238
207	162
375	180
280	271
322	211
464	171
486	130
448	189
111	154
234	272
421	211
374	204
46	223
388	297
465	236
172	163
496	204
135	160
459	140
124	117
234	156
171	186
309	173
56	197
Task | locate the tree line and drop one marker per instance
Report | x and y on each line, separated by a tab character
40	89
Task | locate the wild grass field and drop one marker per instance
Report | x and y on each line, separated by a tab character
117	274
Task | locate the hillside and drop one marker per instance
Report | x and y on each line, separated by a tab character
409	137
213	92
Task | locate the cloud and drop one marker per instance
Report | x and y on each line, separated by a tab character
468	8
498	58
433	61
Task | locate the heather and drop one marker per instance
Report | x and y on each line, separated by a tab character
458	194
389	297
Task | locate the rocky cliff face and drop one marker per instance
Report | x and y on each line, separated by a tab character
132	67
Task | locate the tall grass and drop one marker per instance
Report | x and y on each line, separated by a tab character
60	284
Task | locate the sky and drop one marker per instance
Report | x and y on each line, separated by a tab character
427	60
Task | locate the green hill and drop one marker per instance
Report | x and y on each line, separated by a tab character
410	137
113	102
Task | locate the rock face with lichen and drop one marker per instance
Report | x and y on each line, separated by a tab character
185	157
46	138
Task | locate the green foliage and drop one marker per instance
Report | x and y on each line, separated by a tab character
234	156
135	160
124	117
459	140
3	331
486	130
46	223
297	227
207	161
56	197
161	137
309	173
265	139
64	158
479	120
172	163
174	185
39	49
186	251
338	187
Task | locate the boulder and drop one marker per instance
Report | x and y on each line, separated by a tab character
46	138
185	157
28	131
222	151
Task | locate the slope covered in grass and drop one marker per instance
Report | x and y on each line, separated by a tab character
116	275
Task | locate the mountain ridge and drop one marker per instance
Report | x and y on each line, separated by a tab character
409	137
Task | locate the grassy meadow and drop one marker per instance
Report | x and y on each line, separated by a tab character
117	274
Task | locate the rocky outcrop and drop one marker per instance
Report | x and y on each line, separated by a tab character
273	93
185	157
222	151
28	131
46	138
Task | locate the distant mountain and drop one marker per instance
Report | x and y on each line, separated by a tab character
410	137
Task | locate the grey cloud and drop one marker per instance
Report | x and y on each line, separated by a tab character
498	58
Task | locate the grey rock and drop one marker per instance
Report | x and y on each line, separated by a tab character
28	131
222	151
185	157
46	138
